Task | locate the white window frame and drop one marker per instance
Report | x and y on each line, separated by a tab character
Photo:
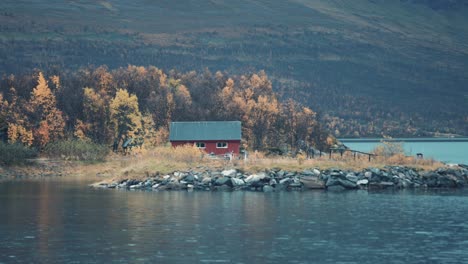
224	145
200	144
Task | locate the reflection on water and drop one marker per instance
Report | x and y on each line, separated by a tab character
45	222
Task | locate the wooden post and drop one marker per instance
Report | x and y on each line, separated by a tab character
369	157
330	154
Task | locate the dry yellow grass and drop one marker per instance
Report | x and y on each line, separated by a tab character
164	160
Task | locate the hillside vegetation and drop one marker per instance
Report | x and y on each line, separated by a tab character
371	67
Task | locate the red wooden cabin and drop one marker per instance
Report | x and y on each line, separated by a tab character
214	137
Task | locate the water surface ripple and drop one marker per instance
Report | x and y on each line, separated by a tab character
59	222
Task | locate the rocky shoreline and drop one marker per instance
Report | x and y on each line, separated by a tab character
274	180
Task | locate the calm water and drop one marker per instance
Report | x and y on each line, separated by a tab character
439	149
59	222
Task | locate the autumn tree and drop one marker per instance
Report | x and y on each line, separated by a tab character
149	135
182	102
263	114
125	115
96	122
15	122
230	105
47	120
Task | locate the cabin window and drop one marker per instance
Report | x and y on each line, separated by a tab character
221	145
200	145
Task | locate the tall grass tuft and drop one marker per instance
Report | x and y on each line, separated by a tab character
188	154
14	154
75	149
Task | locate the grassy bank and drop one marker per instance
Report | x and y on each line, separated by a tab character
163	160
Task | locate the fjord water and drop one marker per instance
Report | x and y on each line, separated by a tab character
65	222
449	150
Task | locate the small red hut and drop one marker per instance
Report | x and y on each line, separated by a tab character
214	137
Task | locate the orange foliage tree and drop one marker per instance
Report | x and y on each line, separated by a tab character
46	119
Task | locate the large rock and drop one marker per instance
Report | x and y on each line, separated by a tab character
285	181
273	182
335	181
368	174
229	173
332	182
448	181
237	182
375	171
312	182
206	181
255	178
316	172
268	188
405	183
295	184
351	177
173	186
179	174
190	178
387	184
281	173
362	182
337	174
132	182
223	181
347	184
136	186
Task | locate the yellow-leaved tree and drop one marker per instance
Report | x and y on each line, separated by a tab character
13	122
47	120
125	115
96	117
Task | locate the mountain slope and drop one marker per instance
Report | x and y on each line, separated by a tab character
392	67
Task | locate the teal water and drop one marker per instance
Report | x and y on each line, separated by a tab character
60	222
448	150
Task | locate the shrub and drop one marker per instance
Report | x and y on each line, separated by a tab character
75	149
389	149
13	154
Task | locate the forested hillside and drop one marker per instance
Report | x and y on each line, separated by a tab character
109	107
370	67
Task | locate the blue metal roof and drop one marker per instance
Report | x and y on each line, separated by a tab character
209	130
